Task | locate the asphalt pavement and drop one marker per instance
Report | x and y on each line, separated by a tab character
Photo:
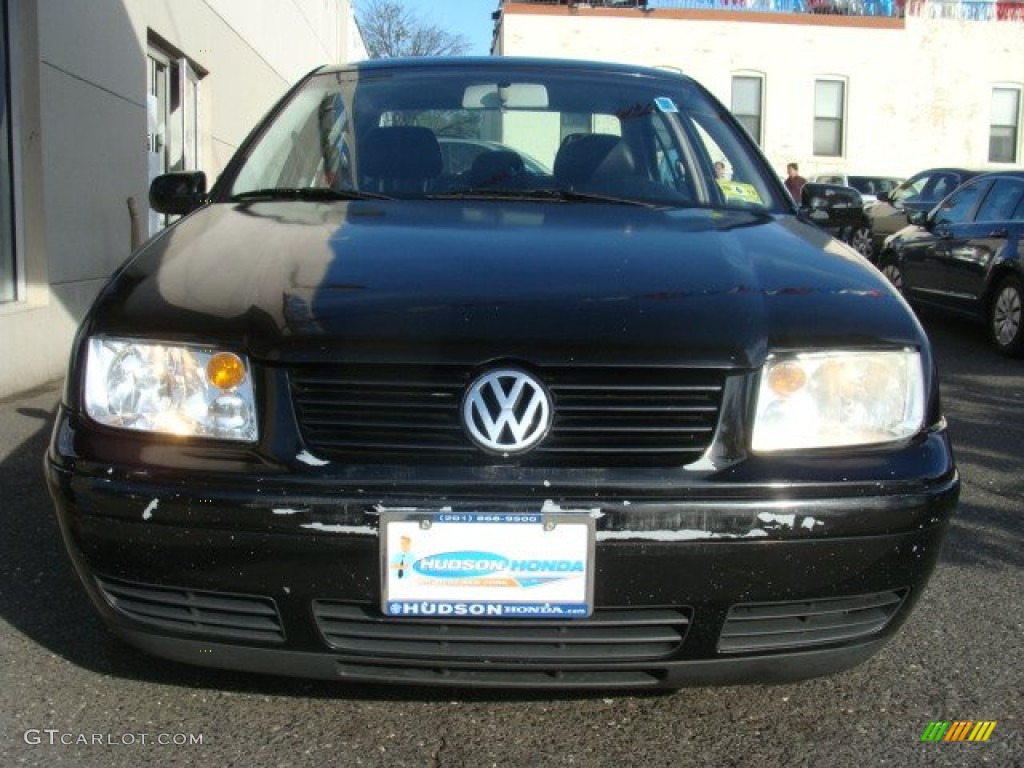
71	695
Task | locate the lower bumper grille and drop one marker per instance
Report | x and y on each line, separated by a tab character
214	614
777	626
610	635
501	678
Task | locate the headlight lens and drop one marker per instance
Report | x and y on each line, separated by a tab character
828	399
171	389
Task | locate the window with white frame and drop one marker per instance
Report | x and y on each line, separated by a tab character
1004	128
173	116
829	113
8	274
748	103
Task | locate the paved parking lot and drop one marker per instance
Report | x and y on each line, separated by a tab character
72	696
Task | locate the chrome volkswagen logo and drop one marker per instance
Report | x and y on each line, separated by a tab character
506	411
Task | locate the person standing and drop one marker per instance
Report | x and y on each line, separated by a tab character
794	181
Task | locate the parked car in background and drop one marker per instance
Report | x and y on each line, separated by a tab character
840	212
920	192
868	186
625	424
965	256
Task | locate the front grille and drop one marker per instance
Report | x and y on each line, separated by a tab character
214	614
602	416
609	635
775	626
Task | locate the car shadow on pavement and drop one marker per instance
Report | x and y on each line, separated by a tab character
43	601
982	400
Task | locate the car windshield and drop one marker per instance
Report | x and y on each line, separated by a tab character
506	131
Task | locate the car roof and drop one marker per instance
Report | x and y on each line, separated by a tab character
1012	174
952	169
828	186
888	176
505	63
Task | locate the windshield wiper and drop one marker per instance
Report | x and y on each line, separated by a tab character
307	193
558	195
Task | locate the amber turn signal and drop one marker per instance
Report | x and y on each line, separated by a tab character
225	370
787	379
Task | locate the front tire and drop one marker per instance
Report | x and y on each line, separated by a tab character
1004	317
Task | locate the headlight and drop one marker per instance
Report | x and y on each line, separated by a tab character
171	389
827	399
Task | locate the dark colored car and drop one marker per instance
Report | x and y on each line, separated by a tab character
965	256
623	425
888	215
839	211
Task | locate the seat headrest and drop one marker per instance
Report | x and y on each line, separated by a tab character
581	156
496	167
400	152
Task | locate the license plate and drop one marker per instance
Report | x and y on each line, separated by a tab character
475	565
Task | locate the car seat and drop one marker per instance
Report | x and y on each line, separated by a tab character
495	169
399	159
587	156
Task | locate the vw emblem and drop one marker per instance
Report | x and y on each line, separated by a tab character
506	411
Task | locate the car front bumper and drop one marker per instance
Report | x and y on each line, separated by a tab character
738	581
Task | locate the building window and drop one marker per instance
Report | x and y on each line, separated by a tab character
173	117
1004	131
747	103
8	274
829	108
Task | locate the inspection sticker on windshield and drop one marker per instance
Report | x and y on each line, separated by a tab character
487	565
665	104
737	191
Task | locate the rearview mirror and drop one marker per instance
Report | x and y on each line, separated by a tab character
178	193
505	96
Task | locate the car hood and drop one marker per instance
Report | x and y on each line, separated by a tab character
474	281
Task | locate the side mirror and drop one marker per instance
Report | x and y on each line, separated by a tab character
178	193
815	208
813	197
883	196
918	218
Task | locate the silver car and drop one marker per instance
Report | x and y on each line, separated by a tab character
868	186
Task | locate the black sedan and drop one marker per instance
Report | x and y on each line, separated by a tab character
625	424
888	214
966	256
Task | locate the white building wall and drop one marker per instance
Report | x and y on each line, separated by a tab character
79	83
917	96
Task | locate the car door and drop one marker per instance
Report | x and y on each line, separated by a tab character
989	237
925	261
923	278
